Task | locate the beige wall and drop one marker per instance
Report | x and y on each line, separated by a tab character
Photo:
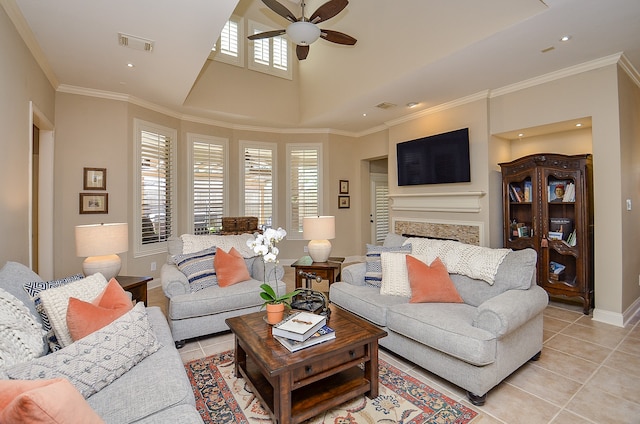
22	81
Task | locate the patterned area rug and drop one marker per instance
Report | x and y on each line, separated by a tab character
223	398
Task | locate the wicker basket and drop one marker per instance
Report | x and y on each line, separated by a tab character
239	225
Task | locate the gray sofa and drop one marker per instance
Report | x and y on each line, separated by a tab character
203	312
156	390
475	344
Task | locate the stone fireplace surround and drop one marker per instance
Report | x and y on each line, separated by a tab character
465	232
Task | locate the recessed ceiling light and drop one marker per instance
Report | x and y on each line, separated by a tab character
412	104
578	125
364	114
565	38
521	135
131	65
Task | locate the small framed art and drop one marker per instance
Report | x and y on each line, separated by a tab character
343	202
344	186
95	179
94	203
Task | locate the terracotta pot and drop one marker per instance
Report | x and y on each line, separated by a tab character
275	313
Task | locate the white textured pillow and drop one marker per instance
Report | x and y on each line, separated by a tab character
21	336
55	302
95	361
395	278
195	243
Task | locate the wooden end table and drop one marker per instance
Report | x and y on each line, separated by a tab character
329	270
137	286
296	386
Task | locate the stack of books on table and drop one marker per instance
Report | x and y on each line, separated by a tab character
302	329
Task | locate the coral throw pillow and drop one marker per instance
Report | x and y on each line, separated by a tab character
44	401
230	267
83	318
430	283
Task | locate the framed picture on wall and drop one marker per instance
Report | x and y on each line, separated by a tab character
343	202
94	203
95	179
344	186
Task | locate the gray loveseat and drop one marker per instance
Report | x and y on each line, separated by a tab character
475	344
156	390
198	313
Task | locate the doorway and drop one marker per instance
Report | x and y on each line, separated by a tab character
379	195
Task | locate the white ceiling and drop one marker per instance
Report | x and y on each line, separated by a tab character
428	51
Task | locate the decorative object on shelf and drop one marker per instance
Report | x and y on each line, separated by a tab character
309	299
94	179
344	202
319	230
94	203
265	246
344	186
100	245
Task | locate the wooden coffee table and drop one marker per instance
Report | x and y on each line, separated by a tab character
297	386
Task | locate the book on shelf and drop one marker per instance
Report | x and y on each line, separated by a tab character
528	189
571	240
524	231
555	267
561	191
325	333
299	326
561	225
517	193
569	193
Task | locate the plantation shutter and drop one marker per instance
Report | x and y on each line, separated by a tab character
208	186
381	211
258	184
156	187
229	39
304	183
280	53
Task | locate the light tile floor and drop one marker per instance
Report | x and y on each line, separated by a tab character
589	372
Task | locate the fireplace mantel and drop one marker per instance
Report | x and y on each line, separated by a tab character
465	201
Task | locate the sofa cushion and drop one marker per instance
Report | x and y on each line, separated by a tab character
44	401
516	272
392	239
430	283
55	302
194	243
198	268
395	280
364	301
95	361
13	276
33	289
230	267
373	274
83	318
20	334
447	327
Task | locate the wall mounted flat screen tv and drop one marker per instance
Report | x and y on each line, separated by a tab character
437	159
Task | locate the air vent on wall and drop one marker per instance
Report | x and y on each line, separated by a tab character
136	43
385	105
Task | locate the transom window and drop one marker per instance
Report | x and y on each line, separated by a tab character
230	46
269	55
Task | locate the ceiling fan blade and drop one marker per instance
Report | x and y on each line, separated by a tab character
302	52
280	10
267	34
337	37
328	10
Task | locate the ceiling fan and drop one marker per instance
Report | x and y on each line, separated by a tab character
304	31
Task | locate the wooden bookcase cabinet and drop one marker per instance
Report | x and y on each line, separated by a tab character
534	212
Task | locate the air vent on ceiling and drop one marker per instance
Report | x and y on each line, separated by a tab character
136	43
385	105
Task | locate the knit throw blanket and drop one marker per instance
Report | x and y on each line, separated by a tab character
480	263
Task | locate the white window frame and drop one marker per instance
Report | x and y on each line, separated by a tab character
139	125
295	234
200	138
266	146
219	55
254	27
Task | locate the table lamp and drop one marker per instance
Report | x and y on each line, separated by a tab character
100	244
319	229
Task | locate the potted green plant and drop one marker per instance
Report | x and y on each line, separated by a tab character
265	246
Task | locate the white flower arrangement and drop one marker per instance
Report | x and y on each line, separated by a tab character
265	244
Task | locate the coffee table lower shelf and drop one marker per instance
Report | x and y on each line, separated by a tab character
311	399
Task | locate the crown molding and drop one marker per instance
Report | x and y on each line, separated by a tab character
630	69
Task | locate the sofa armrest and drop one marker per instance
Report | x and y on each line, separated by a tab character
354	274
174	282
258	270
504	313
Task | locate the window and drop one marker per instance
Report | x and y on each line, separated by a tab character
258	175
269	55
208	197
230	46
304	185
154	208
379	207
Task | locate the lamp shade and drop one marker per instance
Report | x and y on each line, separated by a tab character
101	239
303	33
319	227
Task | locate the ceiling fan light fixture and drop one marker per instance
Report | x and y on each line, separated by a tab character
303	33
